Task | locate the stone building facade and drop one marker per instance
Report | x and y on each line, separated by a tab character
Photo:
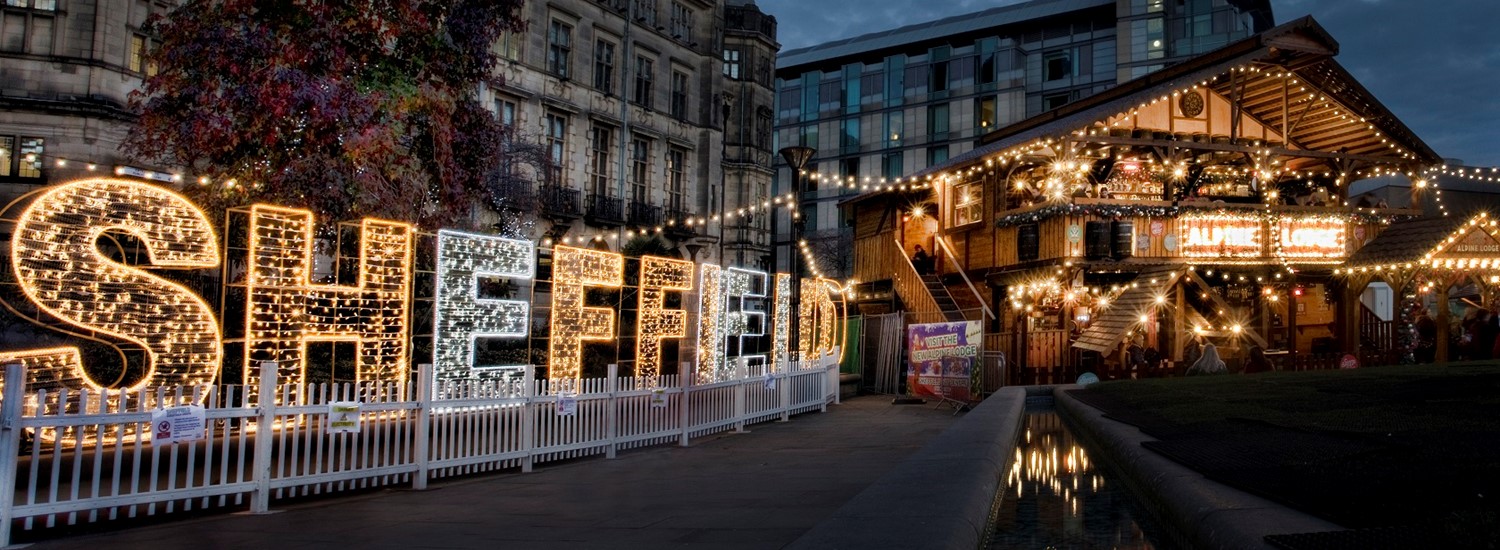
648	131
67	68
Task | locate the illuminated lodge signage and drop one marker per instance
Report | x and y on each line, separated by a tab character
1221	237
1243	237
1312	239
61	270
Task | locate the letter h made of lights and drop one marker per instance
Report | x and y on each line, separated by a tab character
286	310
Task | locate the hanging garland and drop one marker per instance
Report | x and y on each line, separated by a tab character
1152	211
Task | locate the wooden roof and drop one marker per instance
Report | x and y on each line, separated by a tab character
1301	47
1406	241
1109	327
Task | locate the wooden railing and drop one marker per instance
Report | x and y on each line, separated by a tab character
953	259
920	307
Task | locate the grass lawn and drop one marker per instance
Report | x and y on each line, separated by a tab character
1412	447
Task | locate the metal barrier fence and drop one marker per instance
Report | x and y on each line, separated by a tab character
88	456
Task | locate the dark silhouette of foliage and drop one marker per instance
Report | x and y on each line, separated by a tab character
350	108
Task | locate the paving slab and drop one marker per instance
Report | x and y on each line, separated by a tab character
756	490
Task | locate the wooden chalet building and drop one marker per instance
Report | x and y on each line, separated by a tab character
1207	201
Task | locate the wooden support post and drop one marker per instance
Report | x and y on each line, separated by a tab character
1291	316
1349	318
1442	322
1179	329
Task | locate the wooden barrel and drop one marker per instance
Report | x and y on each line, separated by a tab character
1096	240
1028	242
1124	239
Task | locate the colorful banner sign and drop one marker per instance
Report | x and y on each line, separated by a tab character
942	359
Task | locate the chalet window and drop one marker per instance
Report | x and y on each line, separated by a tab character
967	201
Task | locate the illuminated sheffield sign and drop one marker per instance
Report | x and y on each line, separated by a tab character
60	268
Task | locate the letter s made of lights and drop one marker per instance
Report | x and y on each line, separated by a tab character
59	266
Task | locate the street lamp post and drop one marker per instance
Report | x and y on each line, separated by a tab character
796	157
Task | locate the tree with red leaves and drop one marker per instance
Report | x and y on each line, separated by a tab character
352	108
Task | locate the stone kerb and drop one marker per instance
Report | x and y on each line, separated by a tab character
941	496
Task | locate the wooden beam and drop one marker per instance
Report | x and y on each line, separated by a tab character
1277	151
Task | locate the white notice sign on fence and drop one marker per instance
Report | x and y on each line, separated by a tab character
567	404
177	424
659	398
343	417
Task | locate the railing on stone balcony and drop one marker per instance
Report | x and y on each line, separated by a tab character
515	195
603	210
558	200
676	224
644	214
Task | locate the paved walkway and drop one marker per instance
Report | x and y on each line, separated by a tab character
761	489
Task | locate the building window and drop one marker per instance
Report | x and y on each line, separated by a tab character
137	55
28	160
732	64
28	31
604	66
984	113
961	72
967	201
505	110
676	178
643	79
937	121
645	12
682	22
872	90
763	128
510	45
890	166
809	136
849	138
849	169
893	128
559	48
1057	66
678	108
640	170
555	127
1054	101
937	155
601	140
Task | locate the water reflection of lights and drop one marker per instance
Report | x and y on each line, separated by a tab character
1056	496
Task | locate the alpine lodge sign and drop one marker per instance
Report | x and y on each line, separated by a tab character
61	270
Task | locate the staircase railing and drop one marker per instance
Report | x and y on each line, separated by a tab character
907	283
948	253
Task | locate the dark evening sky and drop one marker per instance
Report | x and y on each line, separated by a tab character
1435	64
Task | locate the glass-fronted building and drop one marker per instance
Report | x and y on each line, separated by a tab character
884	105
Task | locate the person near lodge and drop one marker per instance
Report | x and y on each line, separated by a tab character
1206	203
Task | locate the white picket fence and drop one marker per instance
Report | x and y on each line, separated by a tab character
90	457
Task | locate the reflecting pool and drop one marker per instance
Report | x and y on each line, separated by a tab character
1056	496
